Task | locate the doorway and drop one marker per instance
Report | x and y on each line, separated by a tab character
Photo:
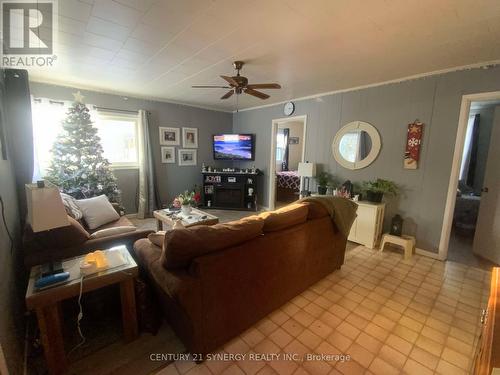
287	151
469	235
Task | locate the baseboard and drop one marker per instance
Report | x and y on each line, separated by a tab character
428	253
131	216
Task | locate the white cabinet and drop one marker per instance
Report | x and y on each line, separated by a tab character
367	226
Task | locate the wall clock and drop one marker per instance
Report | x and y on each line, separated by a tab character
288	108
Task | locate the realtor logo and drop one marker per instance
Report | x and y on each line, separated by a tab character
27	28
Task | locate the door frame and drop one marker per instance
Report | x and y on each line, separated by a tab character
272	165
451	196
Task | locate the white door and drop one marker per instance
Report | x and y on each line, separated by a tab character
487	237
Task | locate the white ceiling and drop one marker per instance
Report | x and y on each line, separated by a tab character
158	49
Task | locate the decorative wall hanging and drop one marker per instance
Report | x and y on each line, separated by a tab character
187	157
168	155
169	136
413	141
190	137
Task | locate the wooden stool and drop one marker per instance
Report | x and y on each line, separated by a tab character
406	242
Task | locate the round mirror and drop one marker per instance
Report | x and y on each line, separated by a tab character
356	145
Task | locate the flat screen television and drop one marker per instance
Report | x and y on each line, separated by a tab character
234	147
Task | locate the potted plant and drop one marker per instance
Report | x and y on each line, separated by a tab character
376	189
186	201
323	179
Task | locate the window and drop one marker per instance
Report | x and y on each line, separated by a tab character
47	119
118	135
280	145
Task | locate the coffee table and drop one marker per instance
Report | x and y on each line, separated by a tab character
196	217
46	303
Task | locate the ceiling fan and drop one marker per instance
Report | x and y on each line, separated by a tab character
239	84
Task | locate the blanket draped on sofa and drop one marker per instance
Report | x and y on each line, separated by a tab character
341	210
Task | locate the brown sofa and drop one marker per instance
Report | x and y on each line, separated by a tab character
215	282
73	240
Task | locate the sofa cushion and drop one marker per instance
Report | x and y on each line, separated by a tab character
157	238
71	235
184	244
316	210
97	211
288	216
123	221
112	231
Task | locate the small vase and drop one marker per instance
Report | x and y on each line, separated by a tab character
186	209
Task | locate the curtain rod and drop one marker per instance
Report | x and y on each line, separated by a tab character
114	110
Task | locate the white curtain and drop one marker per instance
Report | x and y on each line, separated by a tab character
147	195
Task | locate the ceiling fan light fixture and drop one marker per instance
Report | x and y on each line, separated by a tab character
239	84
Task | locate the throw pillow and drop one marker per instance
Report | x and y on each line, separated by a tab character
97	211
71	207
111	231
157	238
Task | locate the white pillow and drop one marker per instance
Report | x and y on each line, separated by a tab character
97	211
110	231
157	238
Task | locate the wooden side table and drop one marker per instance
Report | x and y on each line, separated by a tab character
46	304
406	242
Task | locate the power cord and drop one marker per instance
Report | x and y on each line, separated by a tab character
6	227
79	318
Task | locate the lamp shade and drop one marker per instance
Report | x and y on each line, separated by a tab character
45	207
307	169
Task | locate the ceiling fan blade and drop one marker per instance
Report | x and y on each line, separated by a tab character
257	94
264	86
230	80
210	87
228	94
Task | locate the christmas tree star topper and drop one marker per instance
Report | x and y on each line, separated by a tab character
78	96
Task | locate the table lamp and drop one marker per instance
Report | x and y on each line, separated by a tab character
45	212
45	207
306	170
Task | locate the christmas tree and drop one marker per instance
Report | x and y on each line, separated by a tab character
78	166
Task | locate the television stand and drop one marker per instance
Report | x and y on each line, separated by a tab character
234	190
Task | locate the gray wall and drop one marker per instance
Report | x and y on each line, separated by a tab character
172	179
433	100
11	317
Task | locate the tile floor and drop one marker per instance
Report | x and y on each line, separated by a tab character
390	316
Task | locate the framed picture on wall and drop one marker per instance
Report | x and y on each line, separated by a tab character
190	137
169	136
187	157
293	141
168	155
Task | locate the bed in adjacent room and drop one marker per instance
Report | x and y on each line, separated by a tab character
287	186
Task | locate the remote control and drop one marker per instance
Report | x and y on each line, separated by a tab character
45	281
